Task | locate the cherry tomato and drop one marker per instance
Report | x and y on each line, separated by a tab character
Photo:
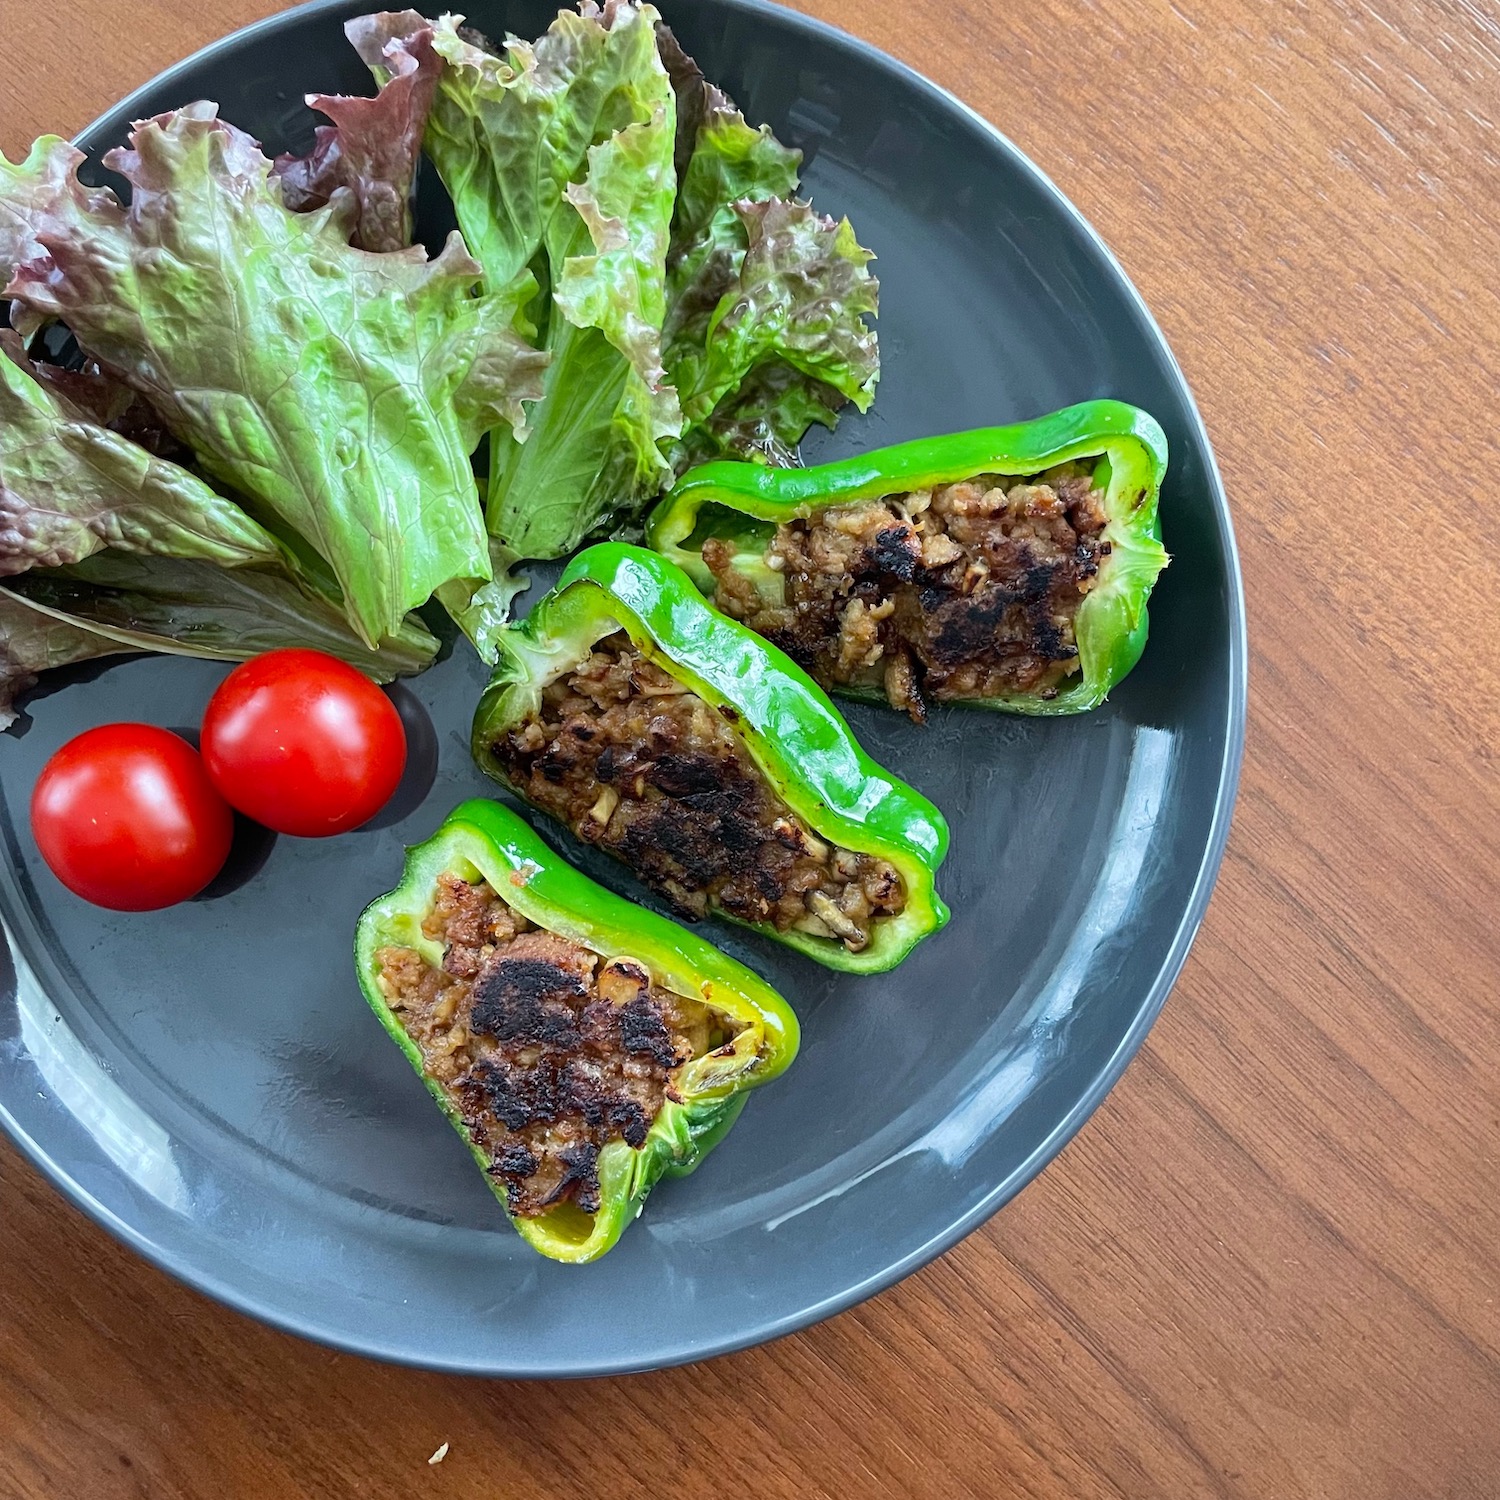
303	743
126	817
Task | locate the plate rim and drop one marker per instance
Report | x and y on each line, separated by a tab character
227	1293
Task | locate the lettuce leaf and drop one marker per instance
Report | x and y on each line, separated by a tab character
558	157
482	610
99	397
38	199
372	147
688	306
785	343
33	642
737	263
722	162
70	487
692	94
509	133
191	607
117	603
764	418
340	392
106	547
607	408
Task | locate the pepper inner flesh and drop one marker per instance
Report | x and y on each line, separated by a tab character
963	591
547	1051
633	761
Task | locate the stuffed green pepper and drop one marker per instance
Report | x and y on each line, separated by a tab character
684	744
582	1046
1007	567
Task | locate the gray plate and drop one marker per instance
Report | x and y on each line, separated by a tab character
207	1082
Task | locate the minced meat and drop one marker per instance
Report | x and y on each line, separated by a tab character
967	590
547	1052
633	761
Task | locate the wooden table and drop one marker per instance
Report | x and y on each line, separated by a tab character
1270	1266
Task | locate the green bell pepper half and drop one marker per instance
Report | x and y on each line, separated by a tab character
792	731
751	500
487	839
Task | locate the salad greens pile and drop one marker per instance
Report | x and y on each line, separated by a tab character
293	427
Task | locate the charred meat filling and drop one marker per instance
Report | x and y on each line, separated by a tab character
968	590
545	1050
633	761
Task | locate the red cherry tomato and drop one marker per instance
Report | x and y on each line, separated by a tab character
126	817
303	743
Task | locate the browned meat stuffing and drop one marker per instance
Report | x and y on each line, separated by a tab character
965	591
547	1052
633	761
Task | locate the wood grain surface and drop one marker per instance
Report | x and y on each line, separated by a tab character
1270	1266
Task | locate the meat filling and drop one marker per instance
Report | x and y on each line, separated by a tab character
642	766
968	590
546	1051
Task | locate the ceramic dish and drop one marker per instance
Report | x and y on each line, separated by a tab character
207	1081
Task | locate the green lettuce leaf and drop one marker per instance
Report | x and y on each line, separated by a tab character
687	304
99	397
116	603
191	607
765	418
744	259
106	547
340	392
509	133
785	343
558	157
70	487
727	162
38	199
596	446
